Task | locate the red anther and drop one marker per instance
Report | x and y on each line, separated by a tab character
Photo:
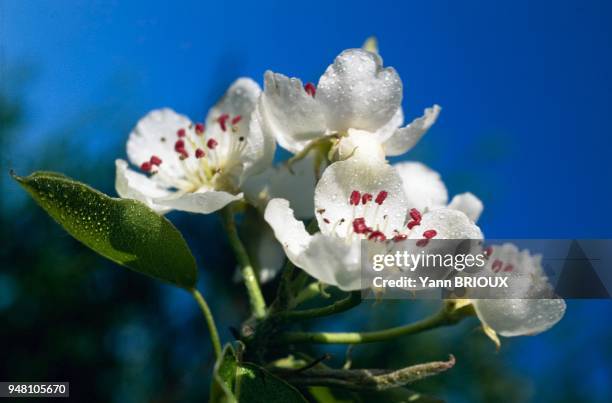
199	153
415	215
413	224
179	145
488	251
430	233
400	237
180	133
183	154
146	166
155	160
509	268
380	198
366	198
236	119
497	265
355	197
360	227
377	236
199	128
222	121
326	221
310	89
422	242
212	143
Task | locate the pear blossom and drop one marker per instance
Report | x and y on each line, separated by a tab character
196	167
357	202
533	307
355	95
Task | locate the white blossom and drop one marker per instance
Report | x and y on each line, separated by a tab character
196	167
355	95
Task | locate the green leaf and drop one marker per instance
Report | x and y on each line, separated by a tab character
224	376
256	385
124	231
243	382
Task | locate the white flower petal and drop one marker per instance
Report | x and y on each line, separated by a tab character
297	186
469	204
155	134
448	224
239	100
405	138
423	186
389	129
289	113
134	185
328	259
519	317
357	92
204	201
340	179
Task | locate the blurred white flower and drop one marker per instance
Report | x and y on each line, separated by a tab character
354	202
356	99
196	167
533	307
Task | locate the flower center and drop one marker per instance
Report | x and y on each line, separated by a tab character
366	220
205	156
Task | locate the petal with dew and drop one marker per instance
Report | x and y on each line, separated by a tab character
407	137
519	317
289	113
423	186
155	135
448	224
469	204
328	259
338	183
357	92
203	201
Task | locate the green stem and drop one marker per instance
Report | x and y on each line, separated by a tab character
310	291
210	322
256	299
442	318
345	304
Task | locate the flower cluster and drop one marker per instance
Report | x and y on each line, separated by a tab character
341	131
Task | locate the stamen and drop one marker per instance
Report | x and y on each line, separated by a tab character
360	227
413	224
146	166
380	198
236	119
180	133
488	251
497	265
179	145
377	236
430	233
199	153
183	154
155	160
223	121
415	215
326	221
366	198
212	143
199	128
355	197
400	237
310	89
